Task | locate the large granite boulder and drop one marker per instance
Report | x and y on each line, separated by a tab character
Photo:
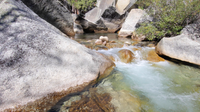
124	5
54	12
130	23
193	30
184	47
95	14
112	19
38	63
89	27
106	12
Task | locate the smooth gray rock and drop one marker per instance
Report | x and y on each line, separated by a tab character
184	47
123	5
181	48
54	12
36	59
129	26
95	14
193	30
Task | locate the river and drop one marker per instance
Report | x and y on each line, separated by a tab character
159	86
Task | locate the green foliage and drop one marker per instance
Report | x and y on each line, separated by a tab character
82	4
171	17
142	4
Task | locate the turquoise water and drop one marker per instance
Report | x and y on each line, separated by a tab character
160	86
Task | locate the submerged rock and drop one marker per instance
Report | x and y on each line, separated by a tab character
98	42
126	55
39	65
90	101
152	56
103	98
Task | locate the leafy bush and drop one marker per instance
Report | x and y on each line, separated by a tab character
82	4
171	17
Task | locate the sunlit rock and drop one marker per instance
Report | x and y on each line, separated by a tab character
98	42
180	47
184	47
126	55
39	64
95	14
103	38
129	25
153	56
105	14
124	5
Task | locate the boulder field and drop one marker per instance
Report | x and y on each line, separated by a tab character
39	63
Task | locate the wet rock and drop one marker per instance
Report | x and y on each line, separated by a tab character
103	38
39	65
87	44
98	42
136	49
126	55
153	56
125	102
114	45
104	43
137	37
129	25
127	43
112	41
151	45
90	101
111	57
54	12
100	47
78	28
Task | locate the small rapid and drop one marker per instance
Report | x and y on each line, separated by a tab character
161	86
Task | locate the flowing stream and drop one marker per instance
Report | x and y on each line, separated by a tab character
160	86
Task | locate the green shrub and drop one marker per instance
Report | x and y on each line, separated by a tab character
171	17
82	4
